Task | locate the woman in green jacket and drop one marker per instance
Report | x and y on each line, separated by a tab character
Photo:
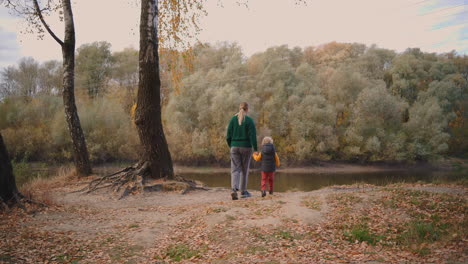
241	138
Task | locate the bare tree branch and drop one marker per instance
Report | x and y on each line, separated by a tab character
39	14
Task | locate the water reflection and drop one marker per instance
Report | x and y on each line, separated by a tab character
313	181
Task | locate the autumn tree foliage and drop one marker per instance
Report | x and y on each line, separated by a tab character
336	101
315	103
30	78
93	67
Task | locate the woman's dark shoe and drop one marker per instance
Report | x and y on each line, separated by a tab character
245	194
234	196
271	192
263	193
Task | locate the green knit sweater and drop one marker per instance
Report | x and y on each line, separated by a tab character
243	135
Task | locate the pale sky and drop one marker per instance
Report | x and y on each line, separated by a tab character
432	25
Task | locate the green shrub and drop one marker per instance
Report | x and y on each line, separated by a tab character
36	130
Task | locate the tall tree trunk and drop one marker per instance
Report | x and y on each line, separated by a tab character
80	151
8	191
148	112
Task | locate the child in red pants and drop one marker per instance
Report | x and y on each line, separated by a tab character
270	161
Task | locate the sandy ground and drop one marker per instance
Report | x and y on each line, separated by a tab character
203	227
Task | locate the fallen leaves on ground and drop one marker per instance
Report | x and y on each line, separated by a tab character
393	224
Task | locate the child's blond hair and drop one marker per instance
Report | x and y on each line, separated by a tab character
267	140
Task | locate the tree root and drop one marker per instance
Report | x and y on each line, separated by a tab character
132	180
3	205
18	200
193	185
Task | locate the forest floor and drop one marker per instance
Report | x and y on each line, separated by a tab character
401	223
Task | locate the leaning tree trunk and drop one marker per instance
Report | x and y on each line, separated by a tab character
8	191
156	153
80	151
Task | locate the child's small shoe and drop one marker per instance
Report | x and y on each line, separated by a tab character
263	193
271	191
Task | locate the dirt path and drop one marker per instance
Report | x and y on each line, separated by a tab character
207	227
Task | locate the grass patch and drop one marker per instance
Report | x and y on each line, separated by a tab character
230	217
458	166
311	202
265	211
38	187
347	199
219	210
463	182
433	217
421	232
66	258
423	251
286	235
250	204
390	203
256	234
254	249
362	233
24	172
134	226
415	201
289	220
180	252
119	252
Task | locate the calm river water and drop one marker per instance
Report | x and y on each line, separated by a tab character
313	181
309	181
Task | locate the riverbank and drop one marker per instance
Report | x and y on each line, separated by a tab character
450	163
290	179
340	224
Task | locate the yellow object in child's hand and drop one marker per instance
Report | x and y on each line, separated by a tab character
257	156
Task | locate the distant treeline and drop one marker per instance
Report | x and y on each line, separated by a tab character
337	101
